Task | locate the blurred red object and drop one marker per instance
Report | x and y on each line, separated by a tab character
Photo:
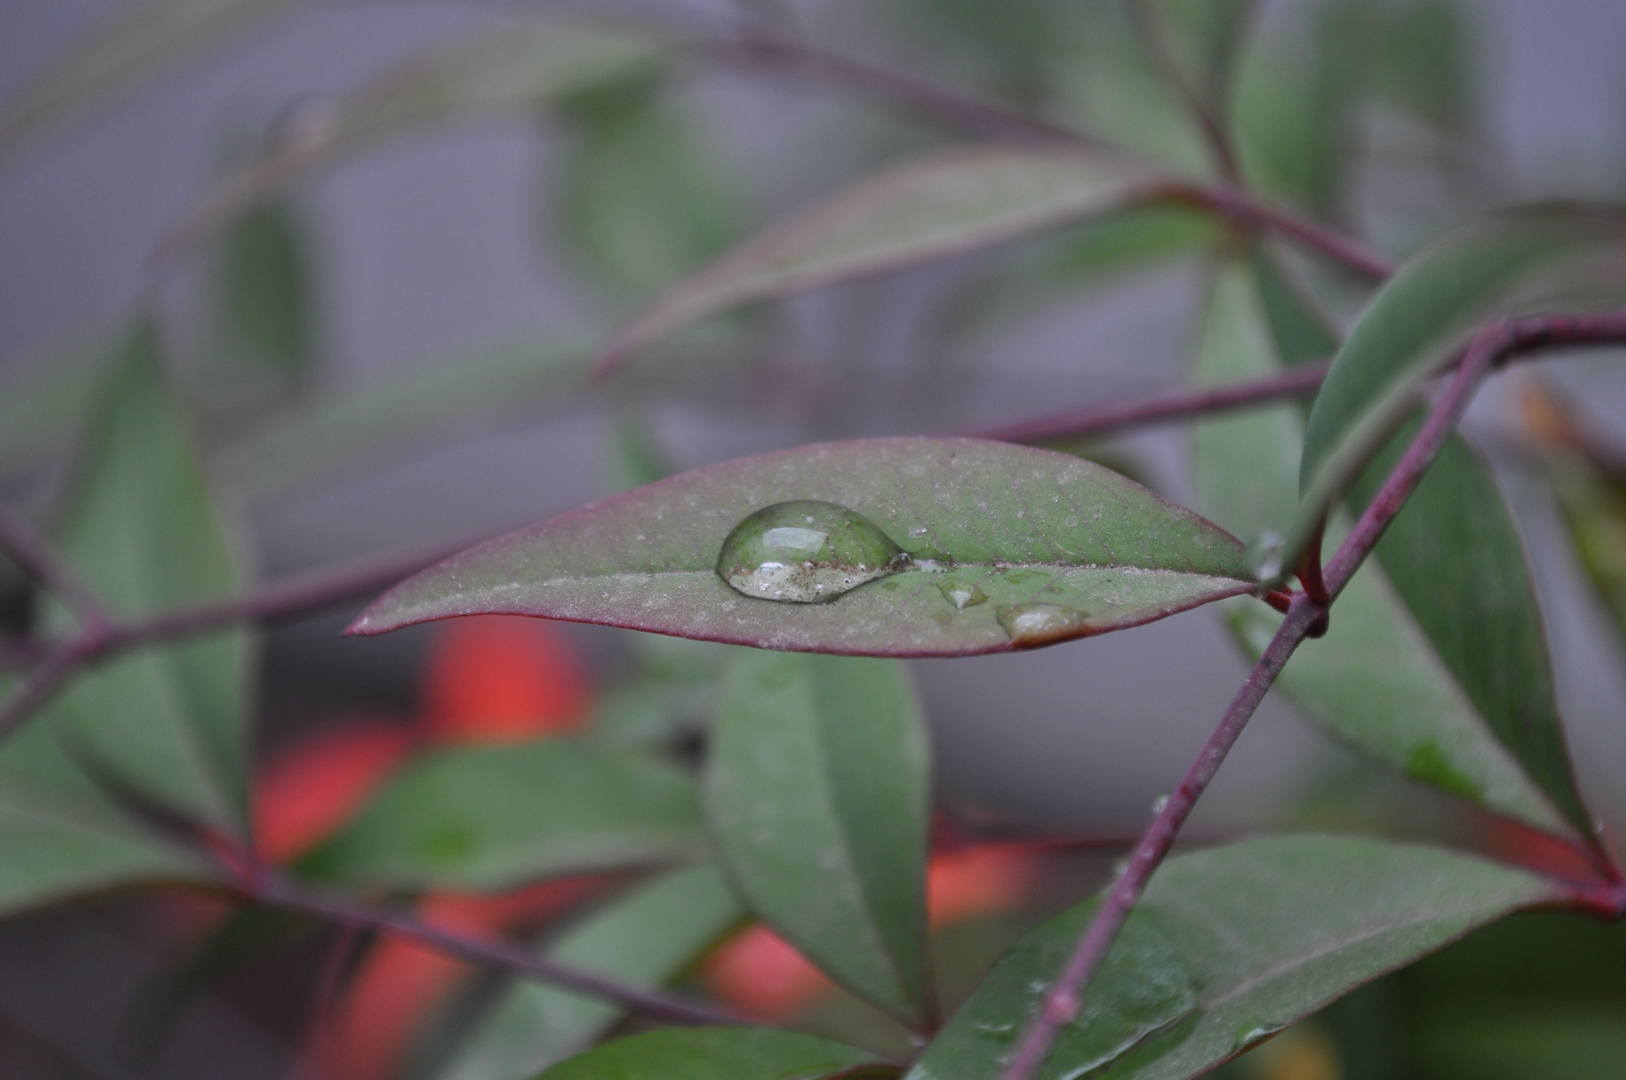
497	678
488	679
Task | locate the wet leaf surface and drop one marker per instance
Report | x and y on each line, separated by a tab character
990	528
1228	947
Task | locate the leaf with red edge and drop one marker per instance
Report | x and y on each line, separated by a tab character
1009	547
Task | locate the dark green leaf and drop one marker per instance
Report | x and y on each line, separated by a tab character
169	723
507	71
818	792
264	301
924	209
142	529
1457	561
1376	679
1424	65
136	44
715	1054
1001	536
495	816
644	939
1526	1044
1229	946
1519	262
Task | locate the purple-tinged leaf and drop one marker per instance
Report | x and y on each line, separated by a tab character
1007	547
927	208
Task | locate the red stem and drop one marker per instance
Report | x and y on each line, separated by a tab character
1492	344
1093	420
645	1003
33	553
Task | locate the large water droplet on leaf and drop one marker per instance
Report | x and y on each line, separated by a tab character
1032	625
806	552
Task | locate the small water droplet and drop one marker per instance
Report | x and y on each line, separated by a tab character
1030	625
1251	1034
1120	868
962	595
1265	553
806	552
1160	804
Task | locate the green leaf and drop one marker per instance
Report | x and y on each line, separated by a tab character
1526	1044
1594	508
169	722
818	792
1425	62
717	1054
1000	536
143	531
644	939
57	843
136	44
926	208
1229	946
491	817
1376	679
1561	257
1456	558
509	71
643	200
265	302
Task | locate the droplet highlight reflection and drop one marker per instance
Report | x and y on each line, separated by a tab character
806	552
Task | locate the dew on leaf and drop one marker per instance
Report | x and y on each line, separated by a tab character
1032	625
806	552
962	595
1265	555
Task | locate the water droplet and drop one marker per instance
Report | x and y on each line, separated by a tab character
1031	625
1265	553
1160	804
806	552
1251	1034
962	595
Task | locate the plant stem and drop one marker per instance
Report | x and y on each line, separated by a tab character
1241	207
1492	344
32	552
647	1003
1065	998
1208	114
1094	420
284	599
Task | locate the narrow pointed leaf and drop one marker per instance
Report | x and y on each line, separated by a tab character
924	209
1376	679
1228	947
140	42
818	792
1000	536
1560	257
718	1054
265	306
491	817
143	531
510	71
1456	558
644	939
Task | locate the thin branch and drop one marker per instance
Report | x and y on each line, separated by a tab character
40	683
506	957
33	553
1064	1000
759	49
1208	114
1095	420
279	601
1494	342
993	119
